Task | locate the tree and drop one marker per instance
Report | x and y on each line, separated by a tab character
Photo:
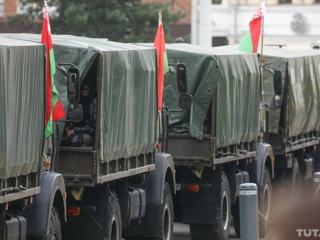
117	20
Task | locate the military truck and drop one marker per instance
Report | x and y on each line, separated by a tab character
121	184
292	114
213	136
33	197
224	132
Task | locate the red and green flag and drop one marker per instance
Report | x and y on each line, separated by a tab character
250	41
54	109
163	67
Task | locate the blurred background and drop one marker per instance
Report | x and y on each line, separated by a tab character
202	22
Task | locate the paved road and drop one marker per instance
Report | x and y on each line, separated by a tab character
181	232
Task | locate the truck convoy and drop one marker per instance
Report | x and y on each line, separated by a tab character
144	169
121	181
216	134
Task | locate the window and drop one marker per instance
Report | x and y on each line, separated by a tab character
284	1
218	1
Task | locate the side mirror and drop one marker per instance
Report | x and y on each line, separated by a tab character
277	82
73	83
75	112
182	78
277	86
185	101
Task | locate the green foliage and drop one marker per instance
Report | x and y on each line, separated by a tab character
117	20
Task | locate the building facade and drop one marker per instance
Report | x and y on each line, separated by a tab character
226	21
8	8
183	26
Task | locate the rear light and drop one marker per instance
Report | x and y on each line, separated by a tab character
191	188
260	137
46	164
73	211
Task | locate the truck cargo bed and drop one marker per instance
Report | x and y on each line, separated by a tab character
189	151
283	144
15	188
81	167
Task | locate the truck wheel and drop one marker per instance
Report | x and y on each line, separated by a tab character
264	202
294	181
166	216
221	230
114	229
236	217
55	226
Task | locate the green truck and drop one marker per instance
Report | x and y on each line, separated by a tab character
217	121
121	184
292	115
32	196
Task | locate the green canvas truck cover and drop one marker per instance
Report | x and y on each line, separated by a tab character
22	106
128	85
128	92
301	71
233	75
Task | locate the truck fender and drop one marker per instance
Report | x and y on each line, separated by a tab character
164	171
154	186
51	194
264	156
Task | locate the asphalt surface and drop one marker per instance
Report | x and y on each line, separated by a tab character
181	232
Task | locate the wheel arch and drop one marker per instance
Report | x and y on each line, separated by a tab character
164	171
39	212
264	157
155	185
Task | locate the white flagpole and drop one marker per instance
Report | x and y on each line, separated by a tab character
263	117
262	107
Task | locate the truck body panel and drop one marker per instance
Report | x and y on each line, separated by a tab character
30	192
122	173
22	125
296	124
124	78
125	82
223	122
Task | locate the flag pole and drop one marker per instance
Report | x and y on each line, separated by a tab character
262	35
263	117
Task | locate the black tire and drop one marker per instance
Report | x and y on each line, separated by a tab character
236	217
166	229
221	230
114	229
55	226
167	214
294	178
264	202
290	183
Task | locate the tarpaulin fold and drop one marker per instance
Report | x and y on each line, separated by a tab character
229	76
22	106
127	83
